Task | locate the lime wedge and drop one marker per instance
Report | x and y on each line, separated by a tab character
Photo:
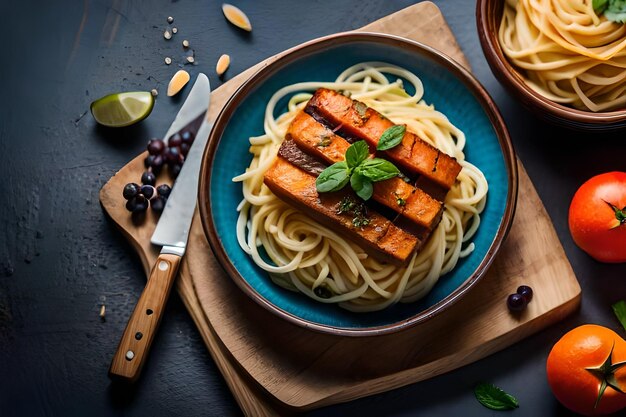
122	109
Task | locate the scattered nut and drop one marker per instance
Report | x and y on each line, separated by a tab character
167	34
178	81
168	60
174	30
191	59
185	43
154	92
236	17
222	64
170	19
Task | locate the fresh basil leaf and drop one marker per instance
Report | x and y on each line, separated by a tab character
493	397
333	178
600	6
616	11
391	137
357	153
378	169
361	185
619	309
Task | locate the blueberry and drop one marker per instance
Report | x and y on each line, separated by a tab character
157	204
187	136
516	302
526	292
184	148
175	140
173	156
157	163
137	203
156	146
175	169
130	190
148	178
147	191
164	190
149	161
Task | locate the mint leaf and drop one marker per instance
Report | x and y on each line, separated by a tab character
333	178
378	169
599	6
614	10
391	137
357	153
362	186
494	398
619	309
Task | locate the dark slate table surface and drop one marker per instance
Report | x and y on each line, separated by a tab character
60	258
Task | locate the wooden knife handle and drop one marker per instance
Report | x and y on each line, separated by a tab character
133	348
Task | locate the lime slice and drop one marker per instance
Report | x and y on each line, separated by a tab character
122	109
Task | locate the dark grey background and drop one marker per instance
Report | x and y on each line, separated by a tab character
60	258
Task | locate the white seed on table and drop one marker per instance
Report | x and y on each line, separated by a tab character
170	19
167	34
190	59
174	30
154	92
168	60
185	43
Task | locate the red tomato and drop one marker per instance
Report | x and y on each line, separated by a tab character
597	217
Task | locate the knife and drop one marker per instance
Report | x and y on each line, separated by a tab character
171	233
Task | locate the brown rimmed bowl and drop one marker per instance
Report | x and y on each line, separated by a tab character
488	18
452	89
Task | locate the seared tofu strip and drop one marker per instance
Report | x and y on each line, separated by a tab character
355	120
320	142
378	237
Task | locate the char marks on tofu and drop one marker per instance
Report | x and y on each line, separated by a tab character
373	232
357	121
400	216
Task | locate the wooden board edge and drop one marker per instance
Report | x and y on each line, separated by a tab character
441	365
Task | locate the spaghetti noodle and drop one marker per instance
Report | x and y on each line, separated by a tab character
568	53
308	257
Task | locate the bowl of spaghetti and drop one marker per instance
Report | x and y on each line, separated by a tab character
338	261
562	59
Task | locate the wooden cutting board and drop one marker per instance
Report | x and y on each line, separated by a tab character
274	367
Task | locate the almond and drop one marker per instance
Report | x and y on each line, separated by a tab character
222	64
178	81
236	17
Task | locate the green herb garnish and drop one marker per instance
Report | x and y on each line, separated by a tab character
391	137
619	309
324	141
494	398
361	109
356	209
614	10
357	169
322	291
399	200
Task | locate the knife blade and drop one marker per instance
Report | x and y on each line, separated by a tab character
171	233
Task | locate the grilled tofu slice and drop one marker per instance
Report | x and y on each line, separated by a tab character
354	120
379	237
320	142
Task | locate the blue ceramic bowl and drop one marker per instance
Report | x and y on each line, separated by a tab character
448	86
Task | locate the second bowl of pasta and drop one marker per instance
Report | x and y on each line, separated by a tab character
563	59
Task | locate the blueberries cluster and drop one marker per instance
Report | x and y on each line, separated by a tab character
171	154
519	300
141	196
